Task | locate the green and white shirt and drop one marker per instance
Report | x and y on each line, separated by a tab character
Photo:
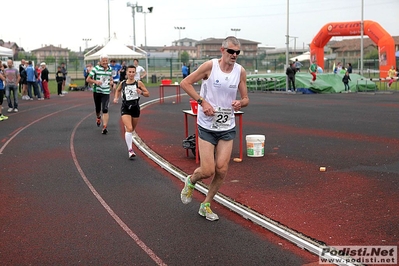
99	73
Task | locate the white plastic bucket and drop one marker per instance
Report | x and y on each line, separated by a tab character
255	145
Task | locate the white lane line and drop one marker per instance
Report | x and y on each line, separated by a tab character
124	226
28	125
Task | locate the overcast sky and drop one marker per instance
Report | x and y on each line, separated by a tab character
32	24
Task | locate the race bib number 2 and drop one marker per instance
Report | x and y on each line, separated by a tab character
131	92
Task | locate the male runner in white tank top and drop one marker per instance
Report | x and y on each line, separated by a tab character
221	79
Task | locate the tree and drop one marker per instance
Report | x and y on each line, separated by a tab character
184	57
26	56
49	59
281	57
73	57
262	56
373	54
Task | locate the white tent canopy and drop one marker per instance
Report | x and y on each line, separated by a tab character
115	50
303	57
6	52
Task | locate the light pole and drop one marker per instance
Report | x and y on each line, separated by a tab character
235	31
145	24
287	43
361	39
180	28
109	24
139	9
292	37
87	41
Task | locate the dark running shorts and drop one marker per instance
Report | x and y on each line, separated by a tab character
213	137
130	109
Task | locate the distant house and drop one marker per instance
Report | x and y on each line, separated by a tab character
276	53
51	50
350	48
192	51
210	48
13	46
148	49
185	42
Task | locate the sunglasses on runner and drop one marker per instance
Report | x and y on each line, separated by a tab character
231	51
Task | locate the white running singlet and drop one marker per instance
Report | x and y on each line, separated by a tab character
219	90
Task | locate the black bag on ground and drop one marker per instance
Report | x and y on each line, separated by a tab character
189	143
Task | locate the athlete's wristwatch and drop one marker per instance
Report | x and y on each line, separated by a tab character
199	101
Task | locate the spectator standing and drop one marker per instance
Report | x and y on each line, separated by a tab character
24	82
2	80
65	73
31	77
59	78
12	79
391	75
222	79
21	67
345	79
44	78
290	72
184	70
339	67
349	68
313	70
86	73
39	77
298	65
140	71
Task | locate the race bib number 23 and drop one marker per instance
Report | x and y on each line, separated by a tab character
222	118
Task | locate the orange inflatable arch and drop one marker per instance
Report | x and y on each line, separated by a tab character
384	41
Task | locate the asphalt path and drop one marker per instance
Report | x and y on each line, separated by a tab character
354	136
70	196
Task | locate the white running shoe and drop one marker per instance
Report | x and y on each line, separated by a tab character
131	154
205	211
187	192
9	110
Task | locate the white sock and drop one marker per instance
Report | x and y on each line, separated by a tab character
129	139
